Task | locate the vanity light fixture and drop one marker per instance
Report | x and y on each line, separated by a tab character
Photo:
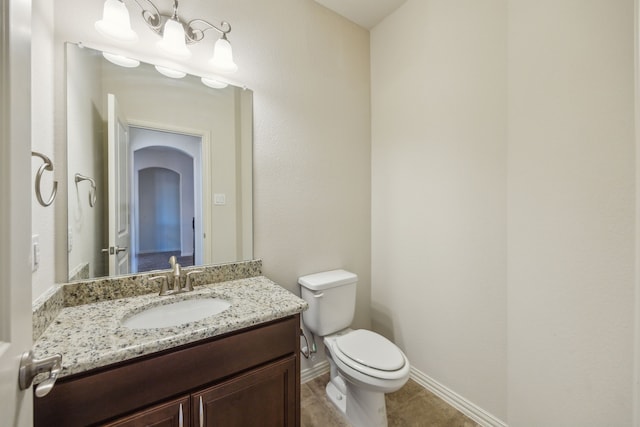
212	83
120	60
170	72
176	33
222	59
115	22
173	40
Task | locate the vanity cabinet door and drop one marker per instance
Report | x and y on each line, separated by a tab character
169	414
262	397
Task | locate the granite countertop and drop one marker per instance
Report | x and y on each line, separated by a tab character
90	336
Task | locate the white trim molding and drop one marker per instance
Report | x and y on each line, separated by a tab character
468	408
636	359
315	371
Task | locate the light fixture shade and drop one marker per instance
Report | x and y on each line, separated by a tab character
170	72
222	60
120	60
212	83
115	22
173	40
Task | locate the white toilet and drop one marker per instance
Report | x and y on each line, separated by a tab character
364	365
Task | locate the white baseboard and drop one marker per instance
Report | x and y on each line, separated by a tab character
314	372
468	408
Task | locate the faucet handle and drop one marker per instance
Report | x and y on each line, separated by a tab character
188	286
164	284
172	261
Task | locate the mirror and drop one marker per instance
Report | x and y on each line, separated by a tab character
156	166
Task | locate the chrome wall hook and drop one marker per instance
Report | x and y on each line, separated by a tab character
46	166
92	191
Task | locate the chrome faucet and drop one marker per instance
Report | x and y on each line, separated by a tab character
176	273
172	283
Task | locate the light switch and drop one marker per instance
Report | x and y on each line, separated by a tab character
219	199
35	252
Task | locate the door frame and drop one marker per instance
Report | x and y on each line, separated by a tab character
636	346
203	227
16	326
119	223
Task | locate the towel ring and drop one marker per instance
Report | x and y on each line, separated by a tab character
92	191
46	166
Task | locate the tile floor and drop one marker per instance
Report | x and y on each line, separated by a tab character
411	406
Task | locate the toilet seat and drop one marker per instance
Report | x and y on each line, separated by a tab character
370	349
370	354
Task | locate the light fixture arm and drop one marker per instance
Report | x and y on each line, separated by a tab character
194	29
195	34
152	17
175	10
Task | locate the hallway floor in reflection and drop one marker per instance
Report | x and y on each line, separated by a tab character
160	261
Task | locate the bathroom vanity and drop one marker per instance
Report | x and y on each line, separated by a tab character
232	380
238	368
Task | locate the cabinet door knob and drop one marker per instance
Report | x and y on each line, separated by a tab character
201	413
180	418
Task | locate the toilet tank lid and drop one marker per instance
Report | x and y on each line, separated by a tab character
327	279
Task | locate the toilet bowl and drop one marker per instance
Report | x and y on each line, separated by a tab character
364	365
368	360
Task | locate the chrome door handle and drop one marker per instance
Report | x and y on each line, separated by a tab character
201	413
113	250
30	367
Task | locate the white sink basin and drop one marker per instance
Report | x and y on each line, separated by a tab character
177	313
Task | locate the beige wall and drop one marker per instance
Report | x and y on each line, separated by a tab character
571	212
439	192
503	203
310	76
85	117
42	140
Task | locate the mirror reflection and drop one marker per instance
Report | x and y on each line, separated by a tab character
166	167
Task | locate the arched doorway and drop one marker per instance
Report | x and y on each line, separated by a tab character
166	199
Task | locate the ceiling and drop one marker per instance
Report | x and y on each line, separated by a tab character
366	13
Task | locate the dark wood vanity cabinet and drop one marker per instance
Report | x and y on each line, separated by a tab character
265	396
262	397
246	378
174	413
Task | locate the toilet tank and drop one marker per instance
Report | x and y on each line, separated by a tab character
332	300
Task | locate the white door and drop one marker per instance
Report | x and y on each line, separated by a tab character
16	407
119	216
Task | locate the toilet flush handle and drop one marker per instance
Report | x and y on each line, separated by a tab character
318	295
